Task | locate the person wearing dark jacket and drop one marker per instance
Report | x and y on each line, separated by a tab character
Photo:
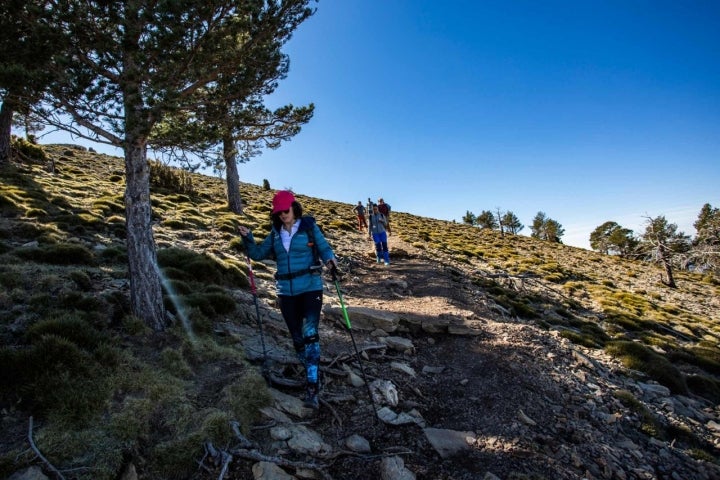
298	245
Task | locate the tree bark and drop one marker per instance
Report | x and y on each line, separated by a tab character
145	287
6	114
665	259
232	178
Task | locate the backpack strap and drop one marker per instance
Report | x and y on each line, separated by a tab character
308	223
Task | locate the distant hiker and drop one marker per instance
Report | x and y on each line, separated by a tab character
377	230
298	245
385	210
360	212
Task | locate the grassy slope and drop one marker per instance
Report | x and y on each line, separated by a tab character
103	389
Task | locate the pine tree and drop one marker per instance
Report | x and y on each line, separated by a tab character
705	253
469	218
487	219
27	47
663	243
546	228
511	223
131	64
612	238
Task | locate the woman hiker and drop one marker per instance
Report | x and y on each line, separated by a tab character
298	245
377	230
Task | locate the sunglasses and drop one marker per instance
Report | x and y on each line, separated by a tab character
283	211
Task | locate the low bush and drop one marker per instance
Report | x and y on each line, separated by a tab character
639	357
57	254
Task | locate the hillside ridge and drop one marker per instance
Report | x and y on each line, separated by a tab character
506	341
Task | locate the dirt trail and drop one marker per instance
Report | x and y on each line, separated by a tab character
487	378
538	406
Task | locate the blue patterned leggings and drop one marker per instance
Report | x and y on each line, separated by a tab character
302	316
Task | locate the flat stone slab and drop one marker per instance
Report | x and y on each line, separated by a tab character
364	318
449	442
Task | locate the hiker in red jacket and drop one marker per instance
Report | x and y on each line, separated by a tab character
360	212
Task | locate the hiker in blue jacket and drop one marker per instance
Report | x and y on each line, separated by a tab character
299	247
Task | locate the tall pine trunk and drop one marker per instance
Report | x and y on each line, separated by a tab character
6	114
145	286
232	178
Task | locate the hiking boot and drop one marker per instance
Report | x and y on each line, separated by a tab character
387	263
312	399
378	260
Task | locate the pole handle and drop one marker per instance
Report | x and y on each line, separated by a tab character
251	276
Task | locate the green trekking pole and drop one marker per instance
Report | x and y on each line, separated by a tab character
333	272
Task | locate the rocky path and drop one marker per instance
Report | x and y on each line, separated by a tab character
462	393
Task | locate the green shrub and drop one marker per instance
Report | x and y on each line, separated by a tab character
222	302
173	179
175	224
87	304
236	244
245	397
210	304
132	422
173	361
174	273
68	326
704	386
116	254
639	357
216	427
199	322
707	358
108	206
29	150
36	213
342	225
10	278
178	287
81	279
176	458
59	379
134	325
227	224
199	268
554	277
590	335
57	254
626	320
82	446
648	423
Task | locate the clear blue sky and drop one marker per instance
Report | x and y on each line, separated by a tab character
586	110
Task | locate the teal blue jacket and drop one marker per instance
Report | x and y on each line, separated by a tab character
293	268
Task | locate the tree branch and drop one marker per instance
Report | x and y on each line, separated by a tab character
39	454
260	457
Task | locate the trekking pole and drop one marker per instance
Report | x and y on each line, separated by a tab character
253	290
333	272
